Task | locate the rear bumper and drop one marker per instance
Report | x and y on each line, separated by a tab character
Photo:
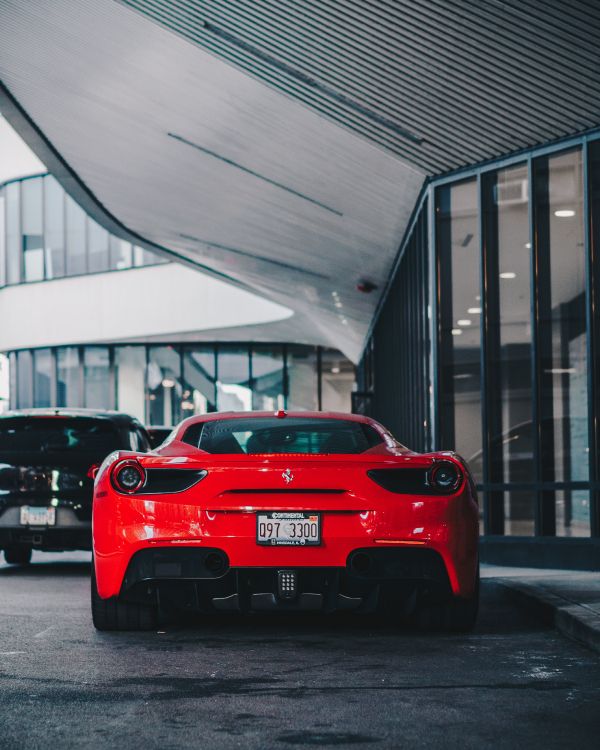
201	580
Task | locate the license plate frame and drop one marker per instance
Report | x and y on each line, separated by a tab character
35	515
312	518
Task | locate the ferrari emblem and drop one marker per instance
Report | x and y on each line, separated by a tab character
288	476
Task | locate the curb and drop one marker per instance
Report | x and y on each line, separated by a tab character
576	621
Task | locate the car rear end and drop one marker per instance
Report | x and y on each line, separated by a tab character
47	460
288	532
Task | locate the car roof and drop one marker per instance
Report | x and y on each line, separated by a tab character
116	417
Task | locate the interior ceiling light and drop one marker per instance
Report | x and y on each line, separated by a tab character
474	310
456	331
335	370
528	245
564	213
508	275
464	322
168	383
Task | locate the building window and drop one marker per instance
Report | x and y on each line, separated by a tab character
13	233
32	230
25	379
458	253
68	374
97	378
54	228
199	382
130	374
267	378
303	379
163	379
99	255
337	381
42	377
76	238
233	379
562	341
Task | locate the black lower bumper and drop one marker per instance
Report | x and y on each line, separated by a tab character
47	539
201	580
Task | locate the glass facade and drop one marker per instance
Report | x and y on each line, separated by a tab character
45	235
163	384
513	306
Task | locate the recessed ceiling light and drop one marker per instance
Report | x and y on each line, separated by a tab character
168	383
464	322
564	213
474	310
528	245
337	303
335	370
456	331
508	275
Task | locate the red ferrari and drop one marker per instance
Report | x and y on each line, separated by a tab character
291	512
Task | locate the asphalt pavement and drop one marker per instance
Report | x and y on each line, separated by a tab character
281	682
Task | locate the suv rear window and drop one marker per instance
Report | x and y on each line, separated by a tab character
58	435
254	435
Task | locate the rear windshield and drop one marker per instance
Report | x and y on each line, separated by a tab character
58	435
288	435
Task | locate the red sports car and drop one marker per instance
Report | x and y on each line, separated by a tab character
255	511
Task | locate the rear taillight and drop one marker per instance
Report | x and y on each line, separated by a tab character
445	476
441	478
128	476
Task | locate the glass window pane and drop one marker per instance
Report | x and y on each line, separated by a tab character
563	335
164	385
459	280
98	247
12	379
96	378
32	223
130	372
2	240
76	239
68	380
4	383
199	394
337	381
13	233
120	253
267	378
509	344
54	228
233	383
42	383
303	379
24	380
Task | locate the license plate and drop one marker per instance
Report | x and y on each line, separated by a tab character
279	528
31	516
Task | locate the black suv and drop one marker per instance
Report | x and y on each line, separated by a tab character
48	460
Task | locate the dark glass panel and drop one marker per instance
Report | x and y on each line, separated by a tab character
32	229
164	385
199	387
54	228
43	377
267	378
337	381
96	378
303	378
130	370
233	379
68	387
24	380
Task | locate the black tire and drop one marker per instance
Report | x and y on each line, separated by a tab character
456	615
18	555
114	614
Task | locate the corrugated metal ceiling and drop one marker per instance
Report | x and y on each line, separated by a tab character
441	84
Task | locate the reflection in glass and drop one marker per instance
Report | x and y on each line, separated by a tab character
32	231
68	389
42	380
267	378
96	378
2	241
509	346
199	395
13	233
120	253
562	337
163	379
460	339
337	381
98	247
233	379
54	228
130	369
76	238
25	379
303	378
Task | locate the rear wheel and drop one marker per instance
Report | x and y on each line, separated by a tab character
457	615
18	555
114	614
